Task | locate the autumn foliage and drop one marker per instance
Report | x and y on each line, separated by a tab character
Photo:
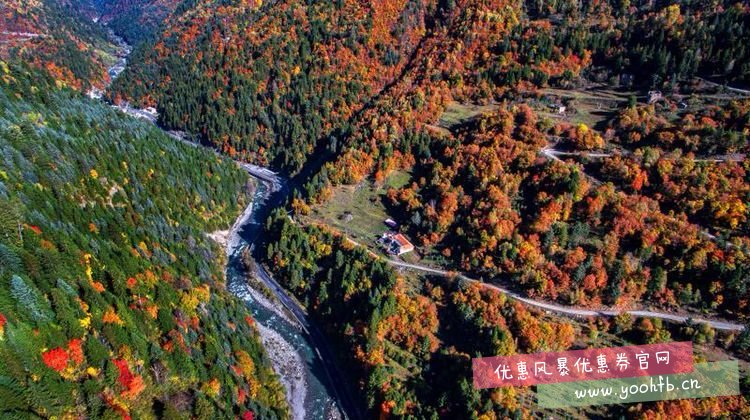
101	314
56	359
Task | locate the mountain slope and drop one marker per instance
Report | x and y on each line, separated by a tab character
115	305
268	82
277	82
57	38
134	20
409	342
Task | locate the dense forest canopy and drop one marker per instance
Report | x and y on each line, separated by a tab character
485	201
409	344
55	37
114	305
274	82
267	82
606	167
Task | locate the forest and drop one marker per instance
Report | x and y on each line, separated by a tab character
114	303
276	82
55	38
267	82
409	343
644	206
484	200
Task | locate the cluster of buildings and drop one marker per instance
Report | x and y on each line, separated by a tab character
394	243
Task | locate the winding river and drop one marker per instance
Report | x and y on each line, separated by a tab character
304	373
315	387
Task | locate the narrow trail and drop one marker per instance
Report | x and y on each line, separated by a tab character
550	152
570	310
553	307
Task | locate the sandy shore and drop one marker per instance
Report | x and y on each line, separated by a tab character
285	360
289	366
221	237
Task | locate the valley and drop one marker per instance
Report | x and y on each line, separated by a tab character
327	210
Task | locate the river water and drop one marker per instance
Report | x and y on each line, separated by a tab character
309	389
317	402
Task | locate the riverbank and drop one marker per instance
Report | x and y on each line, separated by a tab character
317	392
286	362
289	366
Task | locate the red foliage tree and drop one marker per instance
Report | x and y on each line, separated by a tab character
75	351
56	359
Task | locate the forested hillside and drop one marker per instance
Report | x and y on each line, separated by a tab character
113	302
55	37
484	56
267	82
134	20
653	42
647	222
409	344
484	200
270	82
278	83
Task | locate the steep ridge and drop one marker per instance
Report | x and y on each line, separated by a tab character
115	305
267	82
135	21
59	38
274	82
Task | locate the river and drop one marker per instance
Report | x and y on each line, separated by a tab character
303	373
299	352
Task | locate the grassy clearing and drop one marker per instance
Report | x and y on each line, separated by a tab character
592	107
397	179
364	202
457	113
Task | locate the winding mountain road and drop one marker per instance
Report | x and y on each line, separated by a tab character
553	307
279	190
570	310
